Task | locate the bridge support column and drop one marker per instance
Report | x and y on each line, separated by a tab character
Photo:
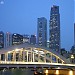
56	59
14	56
27	56
31	54
62	62
20	56
51	57
6	57
33	58
23	56
45	57
0	57
38	56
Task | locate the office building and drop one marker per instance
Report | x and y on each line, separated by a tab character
33	39
48	44
54	28
74	34
17	39
73	47
8	39
26	38
42	31
1	39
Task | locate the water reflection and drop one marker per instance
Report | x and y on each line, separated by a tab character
57	72
16	72
71	72
46	72
30	72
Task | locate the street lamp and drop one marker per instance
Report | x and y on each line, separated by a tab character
72	57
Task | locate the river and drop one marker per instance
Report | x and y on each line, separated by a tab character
30	72
17	72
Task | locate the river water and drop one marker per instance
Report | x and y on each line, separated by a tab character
17	72
30	72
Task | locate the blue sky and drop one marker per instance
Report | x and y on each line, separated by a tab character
20	16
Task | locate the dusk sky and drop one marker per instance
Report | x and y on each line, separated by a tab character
20	16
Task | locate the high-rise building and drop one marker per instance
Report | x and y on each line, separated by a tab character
1	39
54	27
33	39
8	39
74	34
47	43
42	31
26	38
17	39
73	47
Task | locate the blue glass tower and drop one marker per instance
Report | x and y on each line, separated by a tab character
54	28
42	31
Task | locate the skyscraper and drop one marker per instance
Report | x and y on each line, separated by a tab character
54	28
33	39
72	50
74	34
42	31
1	39
8	39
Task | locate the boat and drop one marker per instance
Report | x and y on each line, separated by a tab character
38	73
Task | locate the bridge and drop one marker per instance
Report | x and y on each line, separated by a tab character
27	55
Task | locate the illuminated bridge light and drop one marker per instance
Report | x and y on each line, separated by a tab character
71	72
46	71
57	72
17	49
9	51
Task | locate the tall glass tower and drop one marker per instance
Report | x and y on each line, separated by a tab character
8	39
54	28
1	39
74	34
42	31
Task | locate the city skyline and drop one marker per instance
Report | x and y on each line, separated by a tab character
20	16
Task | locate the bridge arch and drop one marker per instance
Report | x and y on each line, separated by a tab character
30	53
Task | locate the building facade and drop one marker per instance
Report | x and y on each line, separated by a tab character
8	39
33	39
1	39
26	38
17	39
42	31
74	34
54	32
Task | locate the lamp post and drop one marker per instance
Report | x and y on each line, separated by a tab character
72	58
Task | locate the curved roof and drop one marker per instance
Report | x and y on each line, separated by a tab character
25	45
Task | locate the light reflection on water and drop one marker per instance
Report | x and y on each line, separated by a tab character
60	72
29	72
57	72
71	72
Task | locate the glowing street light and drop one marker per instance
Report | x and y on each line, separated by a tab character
16	49
72	57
